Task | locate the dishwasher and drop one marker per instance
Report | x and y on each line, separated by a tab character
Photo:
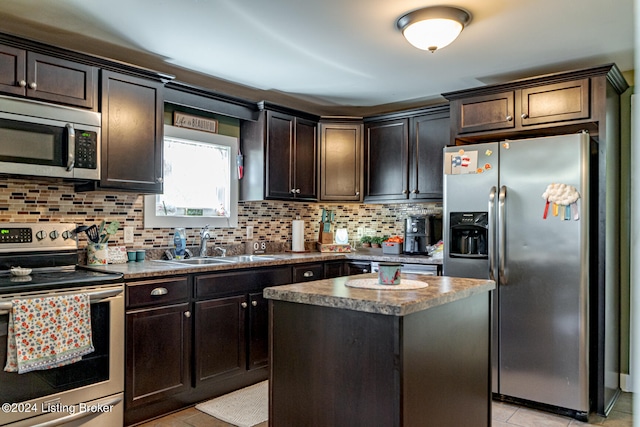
421	269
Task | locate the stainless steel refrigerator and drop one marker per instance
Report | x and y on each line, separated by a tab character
519	212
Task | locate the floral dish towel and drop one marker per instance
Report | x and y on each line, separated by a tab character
48	332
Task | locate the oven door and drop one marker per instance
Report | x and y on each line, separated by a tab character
91	389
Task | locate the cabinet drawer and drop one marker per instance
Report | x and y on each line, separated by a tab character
307	272
235	282
486	112
153	292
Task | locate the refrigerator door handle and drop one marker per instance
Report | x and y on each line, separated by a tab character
502	235
492	231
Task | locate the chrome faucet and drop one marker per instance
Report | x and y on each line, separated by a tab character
204	237
223	251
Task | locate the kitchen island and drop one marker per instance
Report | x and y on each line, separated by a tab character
342	355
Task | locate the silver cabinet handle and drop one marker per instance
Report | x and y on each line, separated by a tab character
159	291
297	191
243	305
33	85
364	270
22	83
357	193
292	191
308	274
509	118
71	142
254	303
492	225
159	180
187	314
502	239
524	116
405	192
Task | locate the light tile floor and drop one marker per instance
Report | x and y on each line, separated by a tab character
504	415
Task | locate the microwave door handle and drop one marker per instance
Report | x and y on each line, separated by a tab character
71	143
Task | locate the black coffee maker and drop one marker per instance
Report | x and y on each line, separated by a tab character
420	232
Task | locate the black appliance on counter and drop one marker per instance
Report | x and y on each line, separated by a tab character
420	232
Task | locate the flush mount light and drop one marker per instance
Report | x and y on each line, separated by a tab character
434	27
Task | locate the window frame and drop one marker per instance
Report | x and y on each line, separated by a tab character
153	221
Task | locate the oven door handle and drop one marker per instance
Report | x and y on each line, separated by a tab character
80	414
94	297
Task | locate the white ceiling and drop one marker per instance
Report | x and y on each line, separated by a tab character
339	56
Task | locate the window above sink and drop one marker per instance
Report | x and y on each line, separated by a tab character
200	181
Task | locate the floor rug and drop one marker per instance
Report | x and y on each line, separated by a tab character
244	408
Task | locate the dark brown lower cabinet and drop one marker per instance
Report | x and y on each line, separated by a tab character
158	353
220	338
338	367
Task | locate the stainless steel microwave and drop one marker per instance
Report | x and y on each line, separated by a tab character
41	139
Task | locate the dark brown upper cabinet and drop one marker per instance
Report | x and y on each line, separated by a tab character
341	166
387	160
545	105
47	78
132	133
280	155
403	155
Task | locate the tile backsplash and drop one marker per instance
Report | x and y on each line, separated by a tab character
34	200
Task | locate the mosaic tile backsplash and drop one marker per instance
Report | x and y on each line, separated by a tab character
34	200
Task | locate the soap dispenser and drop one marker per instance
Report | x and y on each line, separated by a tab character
179	242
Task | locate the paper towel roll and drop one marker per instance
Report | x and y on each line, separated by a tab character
297	235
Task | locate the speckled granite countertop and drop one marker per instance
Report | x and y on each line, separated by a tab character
334	293
155	268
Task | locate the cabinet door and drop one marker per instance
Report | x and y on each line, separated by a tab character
487	112
12	70
220	350
386	151
305	160
430	134
132	131
333	269
353	268
340	162
555	102
59	80
280	139
158	343
258	350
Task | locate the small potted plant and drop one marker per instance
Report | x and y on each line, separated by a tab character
376	242
366	241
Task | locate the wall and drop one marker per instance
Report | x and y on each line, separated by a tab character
34	200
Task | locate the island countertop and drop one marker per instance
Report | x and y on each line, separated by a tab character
335	293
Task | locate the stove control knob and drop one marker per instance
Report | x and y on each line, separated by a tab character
415	229
41	235
67	234
54	235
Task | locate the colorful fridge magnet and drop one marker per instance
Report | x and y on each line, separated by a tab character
564	198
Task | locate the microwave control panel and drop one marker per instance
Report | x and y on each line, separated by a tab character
86	149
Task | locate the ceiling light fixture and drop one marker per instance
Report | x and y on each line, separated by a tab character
433	28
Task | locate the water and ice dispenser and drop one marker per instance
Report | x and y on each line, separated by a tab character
468	234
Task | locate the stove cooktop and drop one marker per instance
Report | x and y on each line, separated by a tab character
54	279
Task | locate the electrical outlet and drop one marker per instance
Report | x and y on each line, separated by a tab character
249	232
128	234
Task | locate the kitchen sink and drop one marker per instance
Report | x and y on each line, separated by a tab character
200	261
251	258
